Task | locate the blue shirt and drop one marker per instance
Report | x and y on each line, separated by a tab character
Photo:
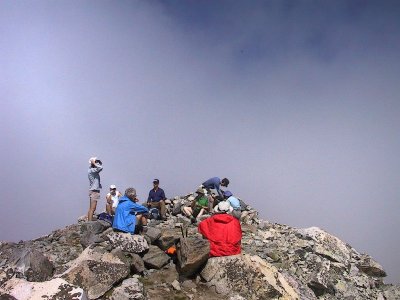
213	183
156	196
234	202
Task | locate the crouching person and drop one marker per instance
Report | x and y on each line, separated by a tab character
223	231
128	213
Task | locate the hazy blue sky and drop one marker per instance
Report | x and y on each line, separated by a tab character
296	102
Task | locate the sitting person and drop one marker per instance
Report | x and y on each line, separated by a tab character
198	206
235	205
112	199
157	199
128	213
223	231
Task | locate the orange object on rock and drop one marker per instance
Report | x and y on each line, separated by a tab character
171	250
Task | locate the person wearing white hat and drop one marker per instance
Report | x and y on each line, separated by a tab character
223	231
112	199
94	185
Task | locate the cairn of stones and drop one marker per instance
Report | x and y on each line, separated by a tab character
88	260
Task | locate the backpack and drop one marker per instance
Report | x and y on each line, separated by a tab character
154	213
105	217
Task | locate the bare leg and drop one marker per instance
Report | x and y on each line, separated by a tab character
92	209
187	211
200	214
109	208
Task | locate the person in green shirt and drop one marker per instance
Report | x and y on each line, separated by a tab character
198	206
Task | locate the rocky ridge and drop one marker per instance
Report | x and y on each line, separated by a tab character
88	260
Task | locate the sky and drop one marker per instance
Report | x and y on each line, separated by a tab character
296	102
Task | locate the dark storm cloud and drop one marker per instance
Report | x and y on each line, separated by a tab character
296	102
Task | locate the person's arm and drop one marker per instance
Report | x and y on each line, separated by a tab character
119	195
217	187
163	195
140	208
108	198
96	169
149	197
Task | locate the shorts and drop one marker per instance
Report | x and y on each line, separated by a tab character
94	196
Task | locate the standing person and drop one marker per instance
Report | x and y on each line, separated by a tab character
112	199
95	168
157	198
214	184
128	213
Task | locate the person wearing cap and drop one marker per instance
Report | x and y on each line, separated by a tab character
223	231
128	213
235	210
94	185
198	206
214	184
112	199
157	198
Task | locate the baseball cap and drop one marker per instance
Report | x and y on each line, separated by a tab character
112	187
156	181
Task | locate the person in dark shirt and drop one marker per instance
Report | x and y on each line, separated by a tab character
157	198
214	183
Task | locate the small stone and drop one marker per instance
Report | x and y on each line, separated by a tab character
175	284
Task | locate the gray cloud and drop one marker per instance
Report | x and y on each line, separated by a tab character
295	102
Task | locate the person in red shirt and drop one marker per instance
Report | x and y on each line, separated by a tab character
223	231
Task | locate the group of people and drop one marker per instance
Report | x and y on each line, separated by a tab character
222	228
207	201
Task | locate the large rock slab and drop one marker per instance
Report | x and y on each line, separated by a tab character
192	253
370	266
128	242
252	278
96	270
155	258
54	289
134	261
168	238
91	230
153	234
130	289
328	245
31	265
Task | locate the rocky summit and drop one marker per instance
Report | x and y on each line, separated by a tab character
88	260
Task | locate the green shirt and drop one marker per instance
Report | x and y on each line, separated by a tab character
202	201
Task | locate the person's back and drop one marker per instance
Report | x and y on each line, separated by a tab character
224	233
125	214
212	183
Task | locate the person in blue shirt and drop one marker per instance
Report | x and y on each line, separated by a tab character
236	210
215	183
128	213
157	199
